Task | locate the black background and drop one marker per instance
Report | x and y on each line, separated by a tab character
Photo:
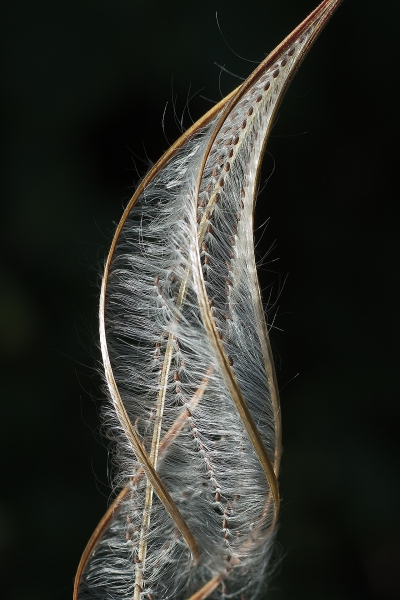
84	89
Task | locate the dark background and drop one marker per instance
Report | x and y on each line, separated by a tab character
84	89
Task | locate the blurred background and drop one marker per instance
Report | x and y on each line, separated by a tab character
84	89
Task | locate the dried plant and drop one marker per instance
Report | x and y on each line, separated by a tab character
194	408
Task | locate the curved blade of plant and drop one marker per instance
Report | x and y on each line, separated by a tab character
180	302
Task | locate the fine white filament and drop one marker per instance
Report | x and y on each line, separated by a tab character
194	408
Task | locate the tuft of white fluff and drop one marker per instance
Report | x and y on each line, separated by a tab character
194	410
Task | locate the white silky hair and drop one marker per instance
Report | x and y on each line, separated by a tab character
183	313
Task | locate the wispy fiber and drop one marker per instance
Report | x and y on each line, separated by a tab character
194	408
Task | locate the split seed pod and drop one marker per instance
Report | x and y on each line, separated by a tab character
194	407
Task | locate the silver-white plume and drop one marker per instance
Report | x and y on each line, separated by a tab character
194	407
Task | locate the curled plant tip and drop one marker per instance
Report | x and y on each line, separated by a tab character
194	407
